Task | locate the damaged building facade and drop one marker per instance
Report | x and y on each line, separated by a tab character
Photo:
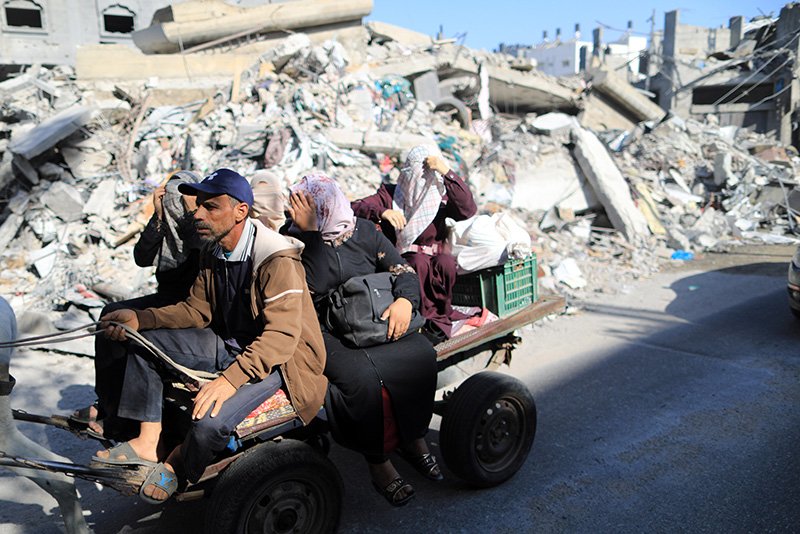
49	32
746	75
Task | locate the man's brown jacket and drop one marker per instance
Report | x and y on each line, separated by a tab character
279	299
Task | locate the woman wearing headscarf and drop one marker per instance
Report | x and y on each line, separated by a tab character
269	199
412	215
395	381
169	242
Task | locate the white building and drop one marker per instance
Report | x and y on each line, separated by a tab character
561	58
567	58
49	31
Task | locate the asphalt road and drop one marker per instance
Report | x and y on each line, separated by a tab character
674	407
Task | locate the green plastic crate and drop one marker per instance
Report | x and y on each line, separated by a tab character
504	289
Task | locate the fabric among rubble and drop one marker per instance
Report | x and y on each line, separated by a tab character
78	166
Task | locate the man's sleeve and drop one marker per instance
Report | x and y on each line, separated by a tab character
194	312
282	289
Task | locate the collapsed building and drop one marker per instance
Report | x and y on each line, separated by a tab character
606	182
49	32
746	75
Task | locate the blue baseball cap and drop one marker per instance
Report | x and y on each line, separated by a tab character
221	182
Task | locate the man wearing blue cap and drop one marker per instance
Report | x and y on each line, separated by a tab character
249	316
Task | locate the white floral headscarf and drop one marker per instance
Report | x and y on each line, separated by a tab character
334	214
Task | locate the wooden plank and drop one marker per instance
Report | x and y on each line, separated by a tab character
543	307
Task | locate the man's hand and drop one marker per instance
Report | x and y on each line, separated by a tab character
213	393
395	218
303	211
399	315
435	163
114	332
158	201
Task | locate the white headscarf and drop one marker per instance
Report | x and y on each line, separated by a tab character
269	199
418	196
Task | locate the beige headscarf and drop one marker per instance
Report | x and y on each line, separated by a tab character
269	199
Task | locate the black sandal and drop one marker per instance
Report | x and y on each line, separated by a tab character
425	464
392	492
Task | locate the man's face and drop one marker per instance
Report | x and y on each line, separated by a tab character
216	216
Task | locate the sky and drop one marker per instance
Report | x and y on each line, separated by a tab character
489	23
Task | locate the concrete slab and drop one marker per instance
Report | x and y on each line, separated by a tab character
381	32
217	19
609	184
554	181
65	201
49	132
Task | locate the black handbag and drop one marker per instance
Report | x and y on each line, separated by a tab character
353	311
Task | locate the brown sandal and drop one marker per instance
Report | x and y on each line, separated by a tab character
393	490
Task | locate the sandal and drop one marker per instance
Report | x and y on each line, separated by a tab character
87	422
392	492
123	454
84	415
162	478
426	464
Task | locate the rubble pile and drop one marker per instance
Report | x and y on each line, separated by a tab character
709	186
80	160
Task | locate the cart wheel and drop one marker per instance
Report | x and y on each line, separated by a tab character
488	428
276	487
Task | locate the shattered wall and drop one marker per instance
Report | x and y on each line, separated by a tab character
50	31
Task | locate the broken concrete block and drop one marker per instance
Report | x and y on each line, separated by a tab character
286	50
570	274
394	144
12	85
51	172
49	132
6	169
65	201
626	95
86	157
24	167
43	225
722	169
9	229
554	124
426	87
44	259
554	181
102	200
345	138
609	185
381	32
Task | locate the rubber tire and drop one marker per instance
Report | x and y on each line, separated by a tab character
306	487
488	428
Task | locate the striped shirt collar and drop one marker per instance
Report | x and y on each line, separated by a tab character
243	248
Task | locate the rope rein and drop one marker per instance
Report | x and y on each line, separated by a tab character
199	377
